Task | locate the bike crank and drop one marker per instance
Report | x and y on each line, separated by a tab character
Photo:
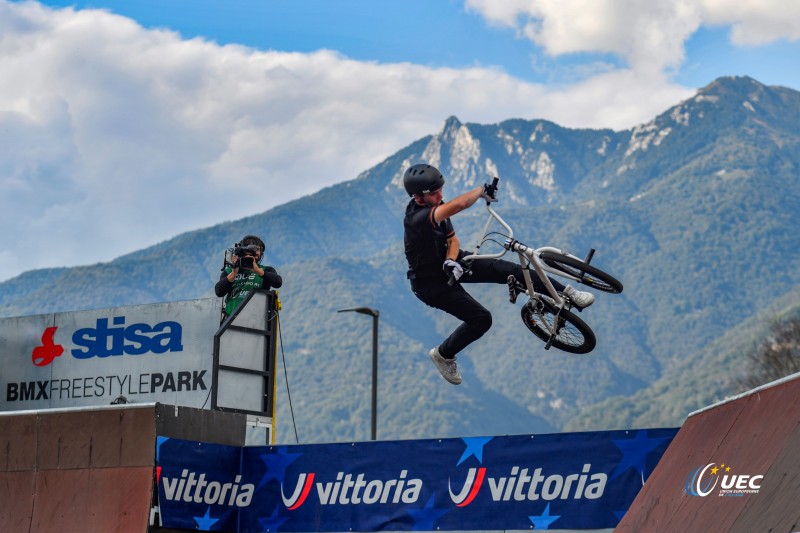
557	323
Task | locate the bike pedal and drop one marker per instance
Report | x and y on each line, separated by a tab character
514	289
512	292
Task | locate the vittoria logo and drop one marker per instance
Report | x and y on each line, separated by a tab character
522	484
470	489
301	491
353	490
189	488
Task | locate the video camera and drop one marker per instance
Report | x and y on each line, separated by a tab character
245	256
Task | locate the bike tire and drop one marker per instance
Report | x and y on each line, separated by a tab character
574	335
586	274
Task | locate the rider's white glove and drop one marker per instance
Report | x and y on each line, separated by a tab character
453	267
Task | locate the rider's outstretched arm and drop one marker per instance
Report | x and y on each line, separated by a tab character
457	204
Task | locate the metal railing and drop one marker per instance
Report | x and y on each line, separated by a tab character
245	355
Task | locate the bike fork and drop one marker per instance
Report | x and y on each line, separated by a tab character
538	306
556	328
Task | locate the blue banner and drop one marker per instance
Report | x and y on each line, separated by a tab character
555	481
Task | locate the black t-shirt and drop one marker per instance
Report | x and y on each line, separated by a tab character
425	240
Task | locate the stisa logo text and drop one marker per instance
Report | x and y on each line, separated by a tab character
721	480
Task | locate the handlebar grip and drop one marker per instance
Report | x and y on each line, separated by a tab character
494	182
451	279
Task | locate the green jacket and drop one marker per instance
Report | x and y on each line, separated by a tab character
245	281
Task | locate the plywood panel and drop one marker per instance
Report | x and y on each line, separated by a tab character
777	501
16	500
663	495
17	443
92	469
64	440
120	499
757	434
60	499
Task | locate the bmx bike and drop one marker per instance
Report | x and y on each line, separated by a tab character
549	316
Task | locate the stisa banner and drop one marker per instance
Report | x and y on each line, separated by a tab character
142	353
555	481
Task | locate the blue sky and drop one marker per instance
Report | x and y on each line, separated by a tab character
112	109
435	33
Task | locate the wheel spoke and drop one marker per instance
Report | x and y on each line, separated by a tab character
573	335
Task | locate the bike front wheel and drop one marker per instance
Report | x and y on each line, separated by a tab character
586	274
572	335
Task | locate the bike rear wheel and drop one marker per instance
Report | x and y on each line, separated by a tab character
573	335
587	274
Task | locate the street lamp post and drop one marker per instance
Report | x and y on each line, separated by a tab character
374	313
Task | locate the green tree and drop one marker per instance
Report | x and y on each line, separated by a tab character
776	357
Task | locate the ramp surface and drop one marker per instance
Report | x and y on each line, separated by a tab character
753	442
93	469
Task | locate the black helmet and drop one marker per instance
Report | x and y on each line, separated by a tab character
248	240
421	179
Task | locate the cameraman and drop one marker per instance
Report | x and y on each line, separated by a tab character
245	273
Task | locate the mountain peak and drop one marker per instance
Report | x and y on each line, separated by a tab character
450	126
726	83
745	99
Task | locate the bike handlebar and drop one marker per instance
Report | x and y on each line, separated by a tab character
492	215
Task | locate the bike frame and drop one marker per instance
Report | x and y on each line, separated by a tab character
523	251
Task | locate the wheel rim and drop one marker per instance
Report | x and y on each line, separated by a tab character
539	319
588	278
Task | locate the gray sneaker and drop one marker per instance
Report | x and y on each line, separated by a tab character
580	299
447	367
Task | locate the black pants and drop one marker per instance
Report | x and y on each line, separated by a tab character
456	301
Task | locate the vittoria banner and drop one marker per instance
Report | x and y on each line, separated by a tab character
555	481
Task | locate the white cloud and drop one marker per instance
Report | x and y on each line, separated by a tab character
113	137
755	22
649	35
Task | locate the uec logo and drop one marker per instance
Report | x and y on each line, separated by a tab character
695	485
700	484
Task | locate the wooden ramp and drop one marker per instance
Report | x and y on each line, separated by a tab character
755	434
734	466
93	469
